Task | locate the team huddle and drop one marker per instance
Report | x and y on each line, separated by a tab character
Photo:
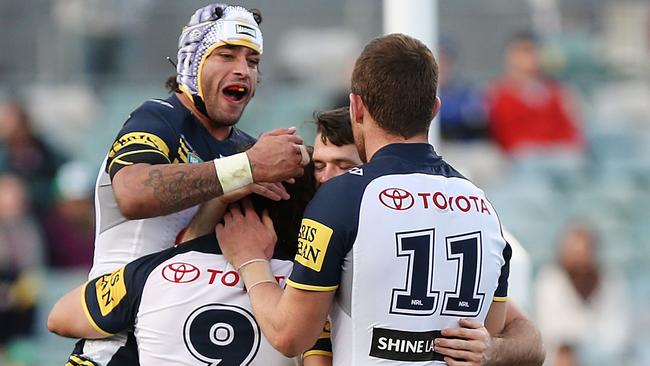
217	248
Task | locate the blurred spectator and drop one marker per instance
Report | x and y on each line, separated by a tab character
579	303
24	153
565	356
528	111
69	225
462	114
21	257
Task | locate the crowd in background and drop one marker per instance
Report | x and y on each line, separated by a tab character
562	154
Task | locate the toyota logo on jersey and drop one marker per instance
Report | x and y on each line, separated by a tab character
180	272
396	199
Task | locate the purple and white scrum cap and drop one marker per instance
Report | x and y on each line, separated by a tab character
211	27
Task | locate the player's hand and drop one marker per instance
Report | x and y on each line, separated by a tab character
471	347
244	235
276	156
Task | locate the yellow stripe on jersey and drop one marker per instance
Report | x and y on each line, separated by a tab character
326	332
500	299
317	352
300	286
118	159
183	151
182	155
82	362
140	138
87	312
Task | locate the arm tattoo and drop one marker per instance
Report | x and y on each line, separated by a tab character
177	189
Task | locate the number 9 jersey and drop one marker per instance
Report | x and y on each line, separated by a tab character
187	306
410	246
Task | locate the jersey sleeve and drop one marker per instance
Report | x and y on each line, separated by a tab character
327	232
110	301
146	137
501	293
323	346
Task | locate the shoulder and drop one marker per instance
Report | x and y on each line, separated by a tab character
168	112
347	188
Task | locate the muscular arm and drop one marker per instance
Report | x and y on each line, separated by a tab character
275	310
518	343
67	318
144	190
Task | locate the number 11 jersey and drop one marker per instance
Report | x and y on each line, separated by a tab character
410	246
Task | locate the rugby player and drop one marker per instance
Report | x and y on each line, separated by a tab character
406	244
520	342
173	154
187	305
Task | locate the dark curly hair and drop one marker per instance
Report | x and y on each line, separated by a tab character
287	215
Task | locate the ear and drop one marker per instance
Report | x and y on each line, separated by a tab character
356	108
436	107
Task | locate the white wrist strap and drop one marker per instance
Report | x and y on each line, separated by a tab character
255	272
304	155
233	172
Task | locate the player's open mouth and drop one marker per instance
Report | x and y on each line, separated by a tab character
235	93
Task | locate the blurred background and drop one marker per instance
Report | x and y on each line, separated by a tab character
545	104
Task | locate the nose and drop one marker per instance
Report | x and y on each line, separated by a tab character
241	66
327	173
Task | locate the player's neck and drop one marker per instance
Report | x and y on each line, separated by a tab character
376	138
219	133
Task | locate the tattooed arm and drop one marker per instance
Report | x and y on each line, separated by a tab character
144	190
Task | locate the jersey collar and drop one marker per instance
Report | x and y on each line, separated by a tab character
413	152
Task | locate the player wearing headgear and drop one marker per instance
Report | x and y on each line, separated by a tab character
175	153
395	250
188	306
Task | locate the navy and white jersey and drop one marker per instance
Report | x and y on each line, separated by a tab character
187	305
158	132
410	246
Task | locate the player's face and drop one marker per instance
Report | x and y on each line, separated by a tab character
331	160
228	79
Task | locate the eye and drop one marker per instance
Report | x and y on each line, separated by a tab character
226	55
319	166
253	62
346	166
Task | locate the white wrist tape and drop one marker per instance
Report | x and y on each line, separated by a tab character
255	272
233	172
304	155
